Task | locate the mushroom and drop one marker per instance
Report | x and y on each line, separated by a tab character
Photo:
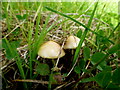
51	50
72	42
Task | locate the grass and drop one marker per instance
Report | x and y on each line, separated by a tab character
99	35
18	60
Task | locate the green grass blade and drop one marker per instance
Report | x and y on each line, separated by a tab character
84	35
37	23
30	32
7	17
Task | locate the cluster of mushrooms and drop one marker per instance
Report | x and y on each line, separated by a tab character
52	50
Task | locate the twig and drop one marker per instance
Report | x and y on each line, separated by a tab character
15	74
34	81
53	36
72	68
66	84
9	64
59	86
20	48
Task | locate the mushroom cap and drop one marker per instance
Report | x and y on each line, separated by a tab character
50	50
72	42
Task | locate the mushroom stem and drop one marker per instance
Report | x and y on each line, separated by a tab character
56	68
60	52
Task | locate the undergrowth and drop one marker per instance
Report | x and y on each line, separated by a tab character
26	26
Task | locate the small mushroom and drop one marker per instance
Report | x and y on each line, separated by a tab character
50	50
72	42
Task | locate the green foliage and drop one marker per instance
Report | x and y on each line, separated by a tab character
97	57
77	69
116	76
42	69
82	63
86	53
103	78
114	49
106	78
21	17
112	86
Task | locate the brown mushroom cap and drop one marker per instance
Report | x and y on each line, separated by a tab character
72	42
50	50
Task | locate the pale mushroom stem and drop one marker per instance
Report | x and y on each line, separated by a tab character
56	68
60	52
